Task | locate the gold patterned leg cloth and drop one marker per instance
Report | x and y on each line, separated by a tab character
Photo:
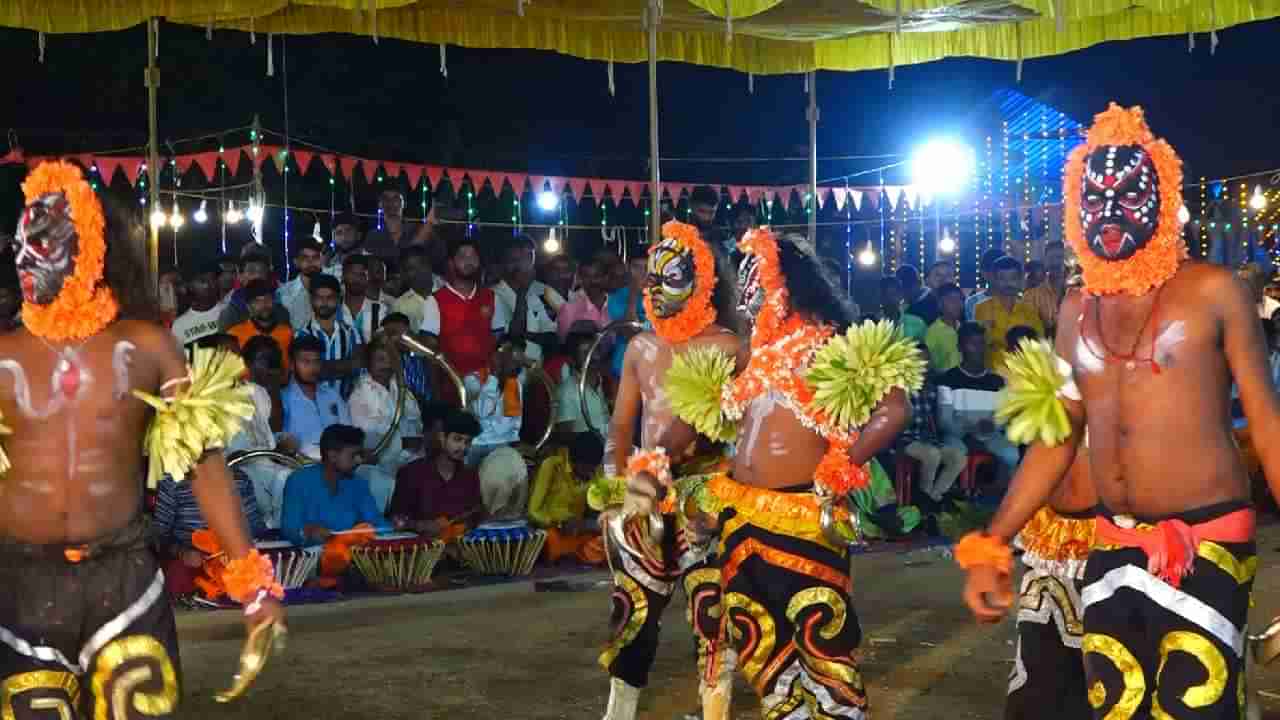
1047	680
1162	644
91	635
786	604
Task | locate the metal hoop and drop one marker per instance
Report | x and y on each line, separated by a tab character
416	347
609	329
289	460
553	403
839	533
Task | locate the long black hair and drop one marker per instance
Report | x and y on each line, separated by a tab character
813	289
125	269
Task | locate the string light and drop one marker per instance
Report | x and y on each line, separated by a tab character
867	257
233	215
158	218
201	215
255	212
176	220
1244	214
1026	200
947	244
1204	210
1258	201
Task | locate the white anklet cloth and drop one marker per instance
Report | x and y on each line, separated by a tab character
623	700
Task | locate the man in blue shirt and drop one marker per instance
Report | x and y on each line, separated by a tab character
310	406
340	343
628	304
320	500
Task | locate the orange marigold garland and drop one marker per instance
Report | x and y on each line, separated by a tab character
244	579
774	319
699	312
1153	264
84	307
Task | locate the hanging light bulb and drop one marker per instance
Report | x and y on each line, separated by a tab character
201	215
255	213
1258	201
947	244
315	232
233	214
552	244
158	218
867	257
175	218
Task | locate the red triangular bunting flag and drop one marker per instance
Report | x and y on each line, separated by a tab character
873	198
414	173
183	163
107	167
537	183
455	176
208	164
132	166
578	188
434	173
601	188
517	181
393	171
13	157
482	178
557	185
330	163
346	164
634	189
232	159
303	158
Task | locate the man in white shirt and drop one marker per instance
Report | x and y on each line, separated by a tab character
347	241
357	310
499	409
201	319
419	282
520	298
295	295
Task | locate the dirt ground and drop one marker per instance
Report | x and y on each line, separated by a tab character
510	652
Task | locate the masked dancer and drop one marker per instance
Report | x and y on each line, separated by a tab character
812	406
1147	354
683	298
86	629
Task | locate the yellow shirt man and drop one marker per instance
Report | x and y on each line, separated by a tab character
998	319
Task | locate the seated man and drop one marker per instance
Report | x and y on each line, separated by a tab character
328	498
558	500
264	359
940	463
178	515
967	402
569	418
310	405
496	399
439	495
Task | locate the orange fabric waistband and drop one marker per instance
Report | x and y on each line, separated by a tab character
1171	544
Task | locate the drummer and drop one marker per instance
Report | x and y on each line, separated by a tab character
439	495
327	498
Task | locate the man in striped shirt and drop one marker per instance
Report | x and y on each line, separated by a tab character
178	515
340	361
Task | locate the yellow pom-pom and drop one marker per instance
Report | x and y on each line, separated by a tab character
853	372
205	413
1030	406
694	383
605	491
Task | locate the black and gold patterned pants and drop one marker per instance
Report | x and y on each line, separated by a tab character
643	584
1153	650
87	639
787	607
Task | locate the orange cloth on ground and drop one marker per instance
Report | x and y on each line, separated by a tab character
587	549
1171	545
336	556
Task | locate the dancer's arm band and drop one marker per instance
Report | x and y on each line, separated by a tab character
979	548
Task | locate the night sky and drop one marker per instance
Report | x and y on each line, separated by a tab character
551	114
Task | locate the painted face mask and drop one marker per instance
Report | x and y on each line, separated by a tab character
681	281
671	278
1120	201
750	290
1122	195
47	246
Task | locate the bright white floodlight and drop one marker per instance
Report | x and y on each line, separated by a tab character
947	244
867	257
1258	201
551	245
942	166
548	201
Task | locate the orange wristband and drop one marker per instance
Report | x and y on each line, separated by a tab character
979	548
245	576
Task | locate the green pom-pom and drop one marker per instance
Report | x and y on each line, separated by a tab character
1029	406
694	487
606	491
853	372
694	383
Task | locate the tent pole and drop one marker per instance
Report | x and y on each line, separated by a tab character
813	156
153	153
655	190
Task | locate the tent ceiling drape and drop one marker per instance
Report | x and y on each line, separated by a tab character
757	36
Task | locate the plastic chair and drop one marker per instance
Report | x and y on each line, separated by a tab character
904	474
969	478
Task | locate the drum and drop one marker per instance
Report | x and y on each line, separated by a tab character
294	565
398	562
508	548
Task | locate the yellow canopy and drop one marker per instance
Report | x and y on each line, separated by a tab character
757	36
